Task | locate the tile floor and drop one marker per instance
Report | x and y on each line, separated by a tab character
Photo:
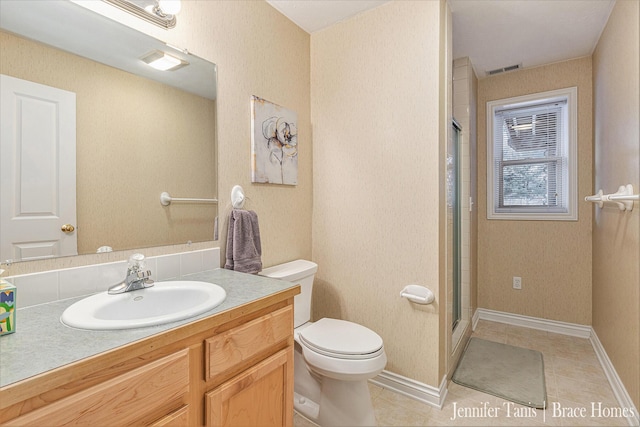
573	376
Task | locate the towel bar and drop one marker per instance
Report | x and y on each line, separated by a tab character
624	198
166	199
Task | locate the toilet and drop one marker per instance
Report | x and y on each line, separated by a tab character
333	358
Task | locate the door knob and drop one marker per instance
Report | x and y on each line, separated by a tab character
68	228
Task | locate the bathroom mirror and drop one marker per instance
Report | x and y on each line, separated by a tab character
139	131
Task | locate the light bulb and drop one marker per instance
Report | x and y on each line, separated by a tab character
170	7
163	61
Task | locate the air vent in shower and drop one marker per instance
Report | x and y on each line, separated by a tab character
504	69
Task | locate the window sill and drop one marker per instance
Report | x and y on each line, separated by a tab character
511	216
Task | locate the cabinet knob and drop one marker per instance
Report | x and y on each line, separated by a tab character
68	228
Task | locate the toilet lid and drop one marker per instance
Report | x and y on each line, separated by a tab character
339	338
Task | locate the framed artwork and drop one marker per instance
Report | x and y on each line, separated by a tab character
274	143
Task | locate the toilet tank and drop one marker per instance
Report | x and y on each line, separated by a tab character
300	272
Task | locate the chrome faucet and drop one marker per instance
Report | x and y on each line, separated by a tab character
136	278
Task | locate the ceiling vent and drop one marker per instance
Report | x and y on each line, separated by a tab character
504	69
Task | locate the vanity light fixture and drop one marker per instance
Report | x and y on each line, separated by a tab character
158	12
163	61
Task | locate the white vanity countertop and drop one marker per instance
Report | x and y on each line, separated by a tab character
42	343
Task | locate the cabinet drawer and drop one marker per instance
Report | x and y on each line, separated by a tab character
236	345
127	398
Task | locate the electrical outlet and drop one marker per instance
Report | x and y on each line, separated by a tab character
517	282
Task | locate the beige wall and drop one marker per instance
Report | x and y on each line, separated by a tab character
258	52
552	257
127	154
616	234
375	111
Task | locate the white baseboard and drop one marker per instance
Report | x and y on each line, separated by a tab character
564	328
474	320
623	398
412	388
581	331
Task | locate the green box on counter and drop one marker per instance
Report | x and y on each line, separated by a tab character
7	308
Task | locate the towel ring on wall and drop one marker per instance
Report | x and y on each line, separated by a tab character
237	197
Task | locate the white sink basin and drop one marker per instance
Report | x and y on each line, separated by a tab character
163	303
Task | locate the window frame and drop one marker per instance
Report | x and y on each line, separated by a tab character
536	213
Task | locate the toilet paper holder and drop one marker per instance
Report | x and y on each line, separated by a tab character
417	294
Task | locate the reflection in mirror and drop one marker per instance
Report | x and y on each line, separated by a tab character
135	137
138	132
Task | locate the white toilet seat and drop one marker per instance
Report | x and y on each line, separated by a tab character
341	339
342	350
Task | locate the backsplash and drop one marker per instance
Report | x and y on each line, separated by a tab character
49	286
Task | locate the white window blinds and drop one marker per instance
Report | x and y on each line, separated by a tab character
530	158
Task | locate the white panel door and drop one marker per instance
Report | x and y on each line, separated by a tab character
37	170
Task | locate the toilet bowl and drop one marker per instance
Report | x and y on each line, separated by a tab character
333	358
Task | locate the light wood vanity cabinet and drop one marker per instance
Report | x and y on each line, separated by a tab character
233	368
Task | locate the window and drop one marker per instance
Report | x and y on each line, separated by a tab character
532	157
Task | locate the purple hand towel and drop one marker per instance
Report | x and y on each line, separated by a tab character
244	250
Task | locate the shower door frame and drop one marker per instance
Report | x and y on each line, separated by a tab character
456	302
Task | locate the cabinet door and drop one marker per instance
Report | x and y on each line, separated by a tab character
260	396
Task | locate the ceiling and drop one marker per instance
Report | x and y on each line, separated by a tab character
492	33
316	15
